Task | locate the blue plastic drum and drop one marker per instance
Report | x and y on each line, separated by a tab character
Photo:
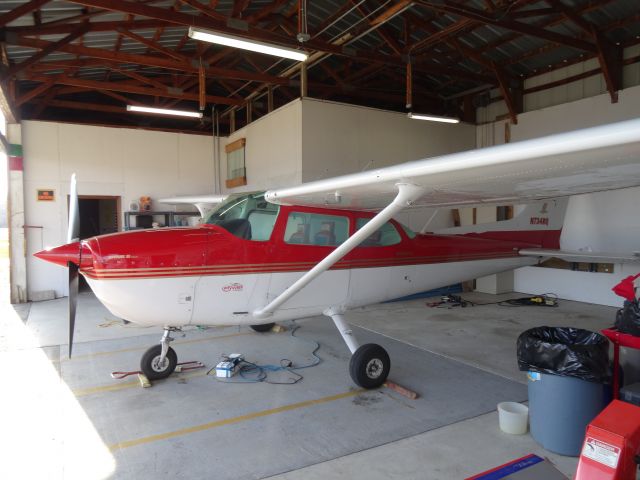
560	408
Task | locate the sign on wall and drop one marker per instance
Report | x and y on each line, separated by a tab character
46	195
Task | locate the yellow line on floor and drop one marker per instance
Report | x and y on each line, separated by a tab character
232	421
133	349
121	385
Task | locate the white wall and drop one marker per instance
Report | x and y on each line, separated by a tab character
338	139
605	221
273	151
108	161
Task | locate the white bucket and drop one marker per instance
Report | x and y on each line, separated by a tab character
513	417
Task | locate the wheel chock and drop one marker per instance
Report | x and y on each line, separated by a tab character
144	381
405	392
278	328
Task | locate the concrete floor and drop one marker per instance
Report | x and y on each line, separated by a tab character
68	419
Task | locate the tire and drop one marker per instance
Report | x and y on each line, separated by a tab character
369	366
148	363
265	327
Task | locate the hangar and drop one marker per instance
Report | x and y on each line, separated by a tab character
164	109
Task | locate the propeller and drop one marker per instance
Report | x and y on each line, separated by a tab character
73	235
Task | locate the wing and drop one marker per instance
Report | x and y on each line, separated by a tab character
203	203
582	161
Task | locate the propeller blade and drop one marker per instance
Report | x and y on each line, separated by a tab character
73	233
73	300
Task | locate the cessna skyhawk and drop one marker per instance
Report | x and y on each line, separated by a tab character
328	246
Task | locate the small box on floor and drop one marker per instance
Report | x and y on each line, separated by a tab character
226	369
530	467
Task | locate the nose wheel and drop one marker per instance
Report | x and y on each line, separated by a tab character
160	360
156	368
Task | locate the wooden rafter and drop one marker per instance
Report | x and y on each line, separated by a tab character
60	28
552	46
265	11
44	103
438	36
239	6
346	6
23	9
513	25
128	88
609	56
147	60
121	98
179	18
33	93
50	48
331	73
368	62
152	44
208	11
140	78
505	89
382	31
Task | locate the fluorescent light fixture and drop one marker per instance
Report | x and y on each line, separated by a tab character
163	111
239	42
432	118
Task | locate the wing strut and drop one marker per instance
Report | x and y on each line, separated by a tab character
407	194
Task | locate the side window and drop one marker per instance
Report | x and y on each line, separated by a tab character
383	237
262	223
315	229
410	233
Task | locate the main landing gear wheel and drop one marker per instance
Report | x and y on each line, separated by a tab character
369	366
262	328
151	366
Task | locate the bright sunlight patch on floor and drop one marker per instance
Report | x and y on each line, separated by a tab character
45	431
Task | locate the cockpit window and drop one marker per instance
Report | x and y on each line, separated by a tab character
383	237
246	215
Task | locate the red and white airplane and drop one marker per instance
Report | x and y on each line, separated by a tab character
332	245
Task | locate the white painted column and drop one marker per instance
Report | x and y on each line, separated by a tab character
15	214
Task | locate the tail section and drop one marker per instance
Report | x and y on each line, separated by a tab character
537	223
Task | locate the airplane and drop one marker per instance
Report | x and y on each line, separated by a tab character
325	247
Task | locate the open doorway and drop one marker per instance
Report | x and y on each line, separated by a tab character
99	215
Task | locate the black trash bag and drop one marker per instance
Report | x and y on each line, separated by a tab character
565	351
628	319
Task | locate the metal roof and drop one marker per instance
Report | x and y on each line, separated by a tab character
101	54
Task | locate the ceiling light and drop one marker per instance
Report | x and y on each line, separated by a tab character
163	111
432	118
243	43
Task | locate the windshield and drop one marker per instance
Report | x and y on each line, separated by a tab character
245	215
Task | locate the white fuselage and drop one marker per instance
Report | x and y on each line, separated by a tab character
232	299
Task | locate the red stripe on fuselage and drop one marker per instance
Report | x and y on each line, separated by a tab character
211	250
107	274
